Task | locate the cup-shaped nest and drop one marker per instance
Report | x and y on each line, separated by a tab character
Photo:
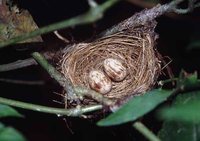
134	49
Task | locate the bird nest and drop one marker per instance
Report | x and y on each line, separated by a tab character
135	50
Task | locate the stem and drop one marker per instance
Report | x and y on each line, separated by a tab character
18	64
49	68
148	133
50	110
92	15
94	95
22	63
138	19
162	82
145	131
95	13
66	83
21	82
145	16
187	10
150	4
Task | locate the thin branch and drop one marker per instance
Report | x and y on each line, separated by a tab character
95	13
144	17
22	82
61	37
22	63
92	15
92	3
58	111
18	64
138	19
66	84
94	95
171	80
145	131
187	10
150	4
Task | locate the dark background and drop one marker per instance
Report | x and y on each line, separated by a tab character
175	34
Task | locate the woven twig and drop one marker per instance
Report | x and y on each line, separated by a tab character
134	47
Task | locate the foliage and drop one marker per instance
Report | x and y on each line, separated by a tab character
9	133
7	111
15	22
185	108
179	131
136	107
181	119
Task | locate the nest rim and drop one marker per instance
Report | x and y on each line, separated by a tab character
136	51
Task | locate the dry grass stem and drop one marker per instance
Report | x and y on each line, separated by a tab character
133	47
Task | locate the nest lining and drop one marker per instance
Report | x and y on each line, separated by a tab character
136	51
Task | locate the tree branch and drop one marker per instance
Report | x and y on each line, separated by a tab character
58	111
94	95
146	16
190	8
145	131
138	19
18	64
22	82
94	14
150	4
22	63
66	83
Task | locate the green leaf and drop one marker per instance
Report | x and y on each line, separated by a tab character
10	134
136	107
1	126
187	113
188	80
7	111
191	79
177	131
174	129
185	109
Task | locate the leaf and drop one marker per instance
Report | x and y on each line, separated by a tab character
24	23
185	109
180	124
10	134
188	80
191	79
177	131
7	111
15	22
1	126
187	113
136	107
